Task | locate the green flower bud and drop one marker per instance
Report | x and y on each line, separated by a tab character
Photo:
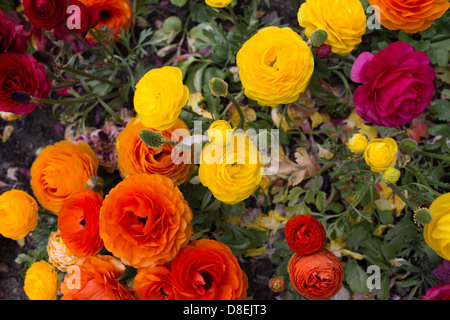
391	175
153	139
318	37
422	216
407	146
219	87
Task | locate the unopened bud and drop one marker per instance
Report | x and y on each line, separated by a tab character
153	139
21	97
407	146
391	175
318	37
44	57
276	284
422	216
219	87
324	51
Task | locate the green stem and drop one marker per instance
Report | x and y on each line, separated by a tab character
421	178
411	205
239	110
91	76
66	102
432	155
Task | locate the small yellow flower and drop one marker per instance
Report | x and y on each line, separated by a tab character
58	253
220	132
380	154
391	175
437	233
18	214
357	143
41	282
218	3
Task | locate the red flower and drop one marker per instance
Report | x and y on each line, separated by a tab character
317	276
78	222
441	292
21	72
11	36
305	234
86	17
153	283
45	14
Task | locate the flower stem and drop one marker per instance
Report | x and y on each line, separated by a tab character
433	155
411	205
91	76
66	102
239	110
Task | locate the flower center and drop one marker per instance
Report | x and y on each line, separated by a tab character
104	15
202	282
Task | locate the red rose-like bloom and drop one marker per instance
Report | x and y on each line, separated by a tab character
207	270
21	72
305	234
441	292
153	283
145	220
95	278
45	14
78	222
398	85
86	16
316	276
11	36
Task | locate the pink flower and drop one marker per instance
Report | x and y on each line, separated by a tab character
441	292
398	85
11	39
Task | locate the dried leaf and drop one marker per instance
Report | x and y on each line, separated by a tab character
7	131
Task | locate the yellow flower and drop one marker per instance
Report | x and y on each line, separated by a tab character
391	175
344	20
160	95
380	154
268	222
275	66
232	172
41	282
218	3
357	143
18	214
437	233
58	253
220	132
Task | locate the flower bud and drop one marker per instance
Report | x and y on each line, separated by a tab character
21	97
318	37
391	175
219	87
276	284
422	216
44	57
324	51
153	139
407	146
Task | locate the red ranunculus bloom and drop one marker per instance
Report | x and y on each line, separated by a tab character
45	14
11	39
21	72
398	85
441	292
305	234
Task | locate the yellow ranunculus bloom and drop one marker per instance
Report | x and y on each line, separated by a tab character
41	282
275	66
220	132
160	95
218	3
380	154
357	143
344	20
18	214
437	233
58	253
232	172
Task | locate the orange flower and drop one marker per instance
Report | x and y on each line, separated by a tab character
145	220
135	157
61	170
115	14
410	16
95	278
207	270
153	283
317	276
78	222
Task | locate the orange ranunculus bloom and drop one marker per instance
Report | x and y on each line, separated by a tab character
316	276
61	170
135	157
78	222
145	220
153	283
115	14
207	270
95	278
410	16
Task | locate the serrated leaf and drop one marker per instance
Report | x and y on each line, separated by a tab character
356	277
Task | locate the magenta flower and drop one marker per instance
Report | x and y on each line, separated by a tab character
441	292
11	39
398	85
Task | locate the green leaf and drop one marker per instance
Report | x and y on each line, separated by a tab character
441	110
356	277
178	3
